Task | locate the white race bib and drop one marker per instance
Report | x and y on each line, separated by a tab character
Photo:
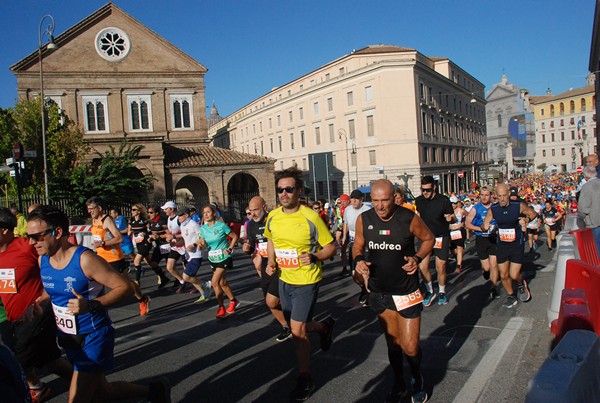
549	220
287	258
8	283
139	237
65	321
97	238
351	234
454	235
215	255
165	249
507	234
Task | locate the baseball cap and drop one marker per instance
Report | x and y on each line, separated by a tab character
326	205
169	204
514	191
453	199
183	210
357	194
345	197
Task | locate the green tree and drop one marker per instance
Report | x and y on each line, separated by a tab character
112	176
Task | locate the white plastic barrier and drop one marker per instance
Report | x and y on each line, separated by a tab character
570	373
566	250
83	233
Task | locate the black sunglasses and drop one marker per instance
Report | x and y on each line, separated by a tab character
287	189
38	236
426	189
134	209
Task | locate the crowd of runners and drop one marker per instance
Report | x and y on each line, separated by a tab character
55	293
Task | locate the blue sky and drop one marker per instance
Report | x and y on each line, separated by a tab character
250	46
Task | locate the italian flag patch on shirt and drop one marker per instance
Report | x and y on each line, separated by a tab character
384	232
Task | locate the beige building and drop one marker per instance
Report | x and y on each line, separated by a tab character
381	111
120	81
565	128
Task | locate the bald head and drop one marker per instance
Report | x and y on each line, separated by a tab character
503	193
382	195
257	207
592	160
382	184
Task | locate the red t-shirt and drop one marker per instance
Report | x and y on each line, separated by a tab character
23	259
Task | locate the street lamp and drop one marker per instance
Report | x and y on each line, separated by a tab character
50	47
342	132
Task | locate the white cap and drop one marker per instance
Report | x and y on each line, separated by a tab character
326	205
169	204
453	199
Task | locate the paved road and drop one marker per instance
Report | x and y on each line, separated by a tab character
473	348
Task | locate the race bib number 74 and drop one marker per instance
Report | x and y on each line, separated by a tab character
287	258
8	283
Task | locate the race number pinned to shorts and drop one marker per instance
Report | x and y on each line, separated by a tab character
287	258
97	238
406	301
507	234
65	321
549	220
351	234
139	237
262	249
8	283
454	235
438	242
165	249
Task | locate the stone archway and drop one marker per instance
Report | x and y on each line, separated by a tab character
191	190
240	189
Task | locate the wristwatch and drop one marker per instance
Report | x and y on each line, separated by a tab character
418	258
95	306
103	243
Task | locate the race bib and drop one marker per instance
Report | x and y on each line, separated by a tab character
262	249
438	242
139	238
406	301
179	249
507	234
216	255
65	321
165	249
351	234
454	235
8	283
549	220
97	238
287	258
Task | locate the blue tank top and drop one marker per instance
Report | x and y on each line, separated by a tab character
480	214
60	283
507	218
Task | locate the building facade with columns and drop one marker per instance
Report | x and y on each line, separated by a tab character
381	111
565	128
119	80
510	130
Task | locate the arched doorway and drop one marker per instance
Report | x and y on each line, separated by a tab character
191	191
241	188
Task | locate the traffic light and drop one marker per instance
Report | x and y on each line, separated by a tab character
25	177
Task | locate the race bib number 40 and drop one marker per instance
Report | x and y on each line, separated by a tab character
65	321
8	283
406	301
287	258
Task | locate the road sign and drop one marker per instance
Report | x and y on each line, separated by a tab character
461	174
17	150
30	153
579	170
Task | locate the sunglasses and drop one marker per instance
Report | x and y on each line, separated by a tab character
134	209
426	189
38	236
287	189
316	208
150	212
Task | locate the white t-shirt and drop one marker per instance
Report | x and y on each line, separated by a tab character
190	231
174	229
350	216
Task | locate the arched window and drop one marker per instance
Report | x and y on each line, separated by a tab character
551	110
572	106
499	120
561	109
583	106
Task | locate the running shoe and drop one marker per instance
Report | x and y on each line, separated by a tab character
494	294
429	297
485	274
145	306
458	269
160	391
136	282
510	301
535	246
285	334
163	283
180	288
524	293
443	299
419	395
193	291
39	393
327	337
304	388
207	289
530	250
233	304
363	296
550	249
221	312
398	393
200	300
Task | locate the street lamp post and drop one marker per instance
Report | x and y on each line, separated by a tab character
51	46
342	132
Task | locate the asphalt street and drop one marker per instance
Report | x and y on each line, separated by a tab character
474	350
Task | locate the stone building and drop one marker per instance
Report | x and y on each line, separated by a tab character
119	80
380	111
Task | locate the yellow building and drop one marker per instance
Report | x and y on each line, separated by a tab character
565	128
381	111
